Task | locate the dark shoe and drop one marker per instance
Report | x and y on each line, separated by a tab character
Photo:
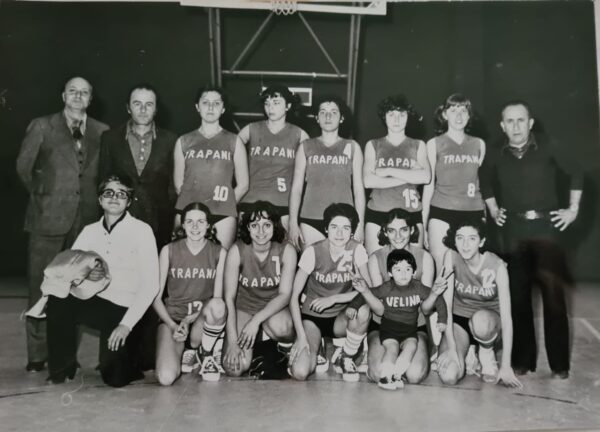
66	374
520	371
560	374
35	366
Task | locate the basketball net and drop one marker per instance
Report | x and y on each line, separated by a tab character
284	7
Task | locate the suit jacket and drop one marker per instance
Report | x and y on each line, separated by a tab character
154	195
47	164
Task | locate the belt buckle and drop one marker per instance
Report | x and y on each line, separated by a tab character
532	215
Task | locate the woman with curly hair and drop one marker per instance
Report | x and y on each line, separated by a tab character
259	272
394	167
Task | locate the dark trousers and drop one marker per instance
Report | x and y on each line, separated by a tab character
536	258
116	367
42	250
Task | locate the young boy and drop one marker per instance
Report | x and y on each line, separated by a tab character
398	301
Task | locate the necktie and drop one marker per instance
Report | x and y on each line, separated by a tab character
76	132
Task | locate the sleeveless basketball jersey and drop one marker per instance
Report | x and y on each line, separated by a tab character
328	176
271	163
403	156
191	278
329	277
456	174
208	174
258	282
382	254
474	291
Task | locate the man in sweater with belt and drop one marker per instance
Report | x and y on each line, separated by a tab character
519	185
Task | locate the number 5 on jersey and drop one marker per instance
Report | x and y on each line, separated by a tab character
281	186
220	193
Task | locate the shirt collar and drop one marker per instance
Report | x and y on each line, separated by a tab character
109	230
72	121
518	152
129	130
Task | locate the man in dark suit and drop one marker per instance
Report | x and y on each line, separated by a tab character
143	152
58	164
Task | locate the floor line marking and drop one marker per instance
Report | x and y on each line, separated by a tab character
590	327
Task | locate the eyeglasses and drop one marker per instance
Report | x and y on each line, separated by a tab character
109	193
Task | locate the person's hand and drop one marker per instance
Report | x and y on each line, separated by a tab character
439	285
118	336
233	356
351	313
441	327
499	216
322	303
359	284
507	376
300	345
97	273
247	336
191	318
448	358
181	332
425	238
562	218
295	236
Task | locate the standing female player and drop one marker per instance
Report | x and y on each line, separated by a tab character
272	145
398	230
325	276
332	169
453	194
259	272
394	166
192	271
478	301
206	162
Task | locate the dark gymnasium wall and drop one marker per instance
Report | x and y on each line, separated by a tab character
543	52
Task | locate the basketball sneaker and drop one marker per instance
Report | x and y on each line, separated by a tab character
472	365
387	383
189	360
322	360
340	351
398	381
489	365
209	370
348	368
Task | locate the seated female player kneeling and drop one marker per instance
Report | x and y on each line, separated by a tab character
259	271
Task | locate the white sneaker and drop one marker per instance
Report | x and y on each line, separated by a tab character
322	360
209	370
349	372
335	360
489	365
189	360
472	365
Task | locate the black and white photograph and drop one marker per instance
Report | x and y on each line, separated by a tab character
300	215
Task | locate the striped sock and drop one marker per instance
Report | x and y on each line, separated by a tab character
352	342
210	333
